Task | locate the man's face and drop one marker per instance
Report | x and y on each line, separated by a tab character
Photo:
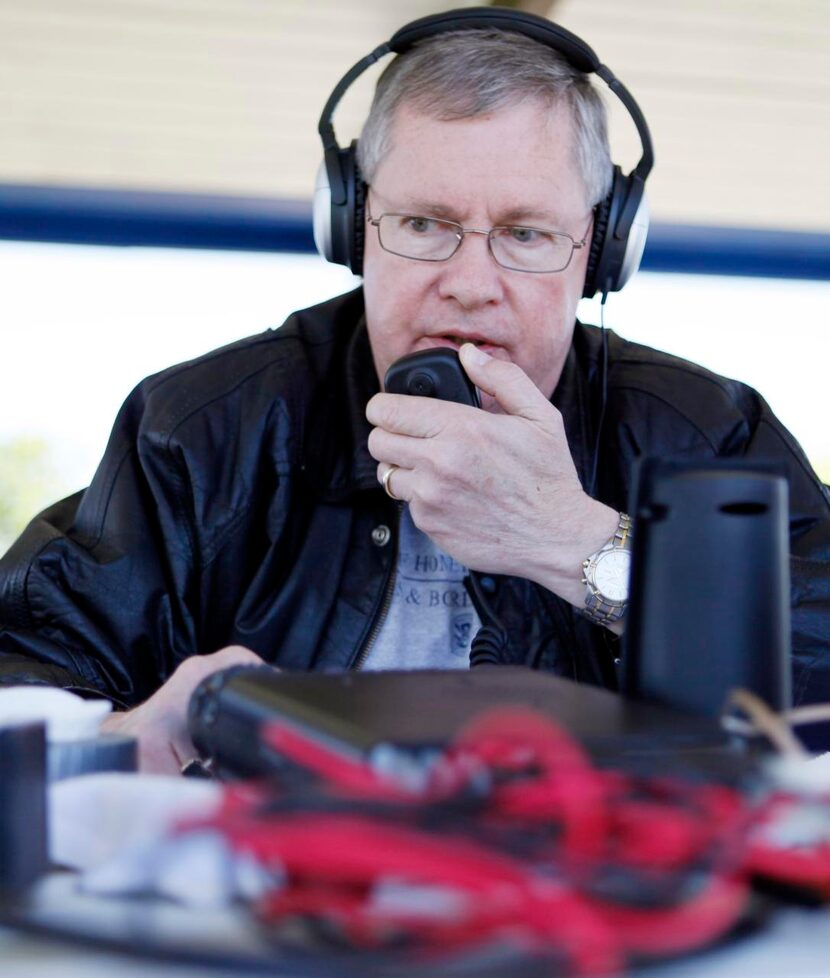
510	167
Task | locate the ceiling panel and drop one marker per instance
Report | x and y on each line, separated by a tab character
223	95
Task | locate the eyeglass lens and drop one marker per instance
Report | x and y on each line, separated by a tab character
519	248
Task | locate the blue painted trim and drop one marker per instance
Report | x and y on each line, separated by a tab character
179	220
73	215
704	250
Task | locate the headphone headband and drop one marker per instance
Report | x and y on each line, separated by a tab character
545	32
621	224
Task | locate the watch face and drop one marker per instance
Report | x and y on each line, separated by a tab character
611	574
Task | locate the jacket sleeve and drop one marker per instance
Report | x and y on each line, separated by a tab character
97	593
809	557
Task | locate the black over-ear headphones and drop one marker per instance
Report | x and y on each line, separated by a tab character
621	220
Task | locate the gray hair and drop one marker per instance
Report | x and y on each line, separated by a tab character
462	74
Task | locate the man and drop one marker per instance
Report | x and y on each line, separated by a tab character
238	507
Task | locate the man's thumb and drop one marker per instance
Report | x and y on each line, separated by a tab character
514	391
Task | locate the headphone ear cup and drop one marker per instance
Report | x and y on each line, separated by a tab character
342	214
635	244
616	252
338	227
321	213
358	216
601	212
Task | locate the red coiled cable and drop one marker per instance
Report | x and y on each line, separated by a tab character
524	839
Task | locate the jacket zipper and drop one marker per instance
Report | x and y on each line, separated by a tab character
386	601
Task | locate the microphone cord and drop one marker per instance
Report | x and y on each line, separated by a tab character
603	372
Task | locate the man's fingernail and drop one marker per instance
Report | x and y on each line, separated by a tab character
474	356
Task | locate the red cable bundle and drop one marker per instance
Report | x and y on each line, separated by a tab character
518	838
790	843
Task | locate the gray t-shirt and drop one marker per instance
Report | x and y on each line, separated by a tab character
431	620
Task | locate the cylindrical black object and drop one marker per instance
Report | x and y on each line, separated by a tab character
68	759
224	718
23	845
710	596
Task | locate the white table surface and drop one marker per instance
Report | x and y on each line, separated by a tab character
794	943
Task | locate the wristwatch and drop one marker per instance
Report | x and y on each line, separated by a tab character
606	577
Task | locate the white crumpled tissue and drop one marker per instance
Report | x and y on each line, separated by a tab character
119	831
67	716
116	829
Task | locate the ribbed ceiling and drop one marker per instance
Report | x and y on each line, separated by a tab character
224	95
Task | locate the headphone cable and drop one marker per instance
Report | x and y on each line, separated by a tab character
603	369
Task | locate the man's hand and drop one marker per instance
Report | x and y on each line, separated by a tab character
497	491
160	723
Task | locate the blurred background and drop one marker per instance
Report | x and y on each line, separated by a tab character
159	157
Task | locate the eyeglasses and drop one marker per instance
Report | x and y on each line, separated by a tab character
519	249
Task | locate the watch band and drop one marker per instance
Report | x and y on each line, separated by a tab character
599	608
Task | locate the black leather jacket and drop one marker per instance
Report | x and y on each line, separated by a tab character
237	503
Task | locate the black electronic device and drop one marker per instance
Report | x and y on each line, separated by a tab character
620	221
709	608
23	814
432	373
405	716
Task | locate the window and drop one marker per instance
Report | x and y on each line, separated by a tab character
82	325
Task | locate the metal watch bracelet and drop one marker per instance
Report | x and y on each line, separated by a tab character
600	608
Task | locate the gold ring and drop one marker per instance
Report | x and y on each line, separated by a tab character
387	475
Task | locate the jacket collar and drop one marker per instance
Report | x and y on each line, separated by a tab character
578	397
361	385
336	460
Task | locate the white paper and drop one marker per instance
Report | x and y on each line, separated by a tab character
95	817
67	716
